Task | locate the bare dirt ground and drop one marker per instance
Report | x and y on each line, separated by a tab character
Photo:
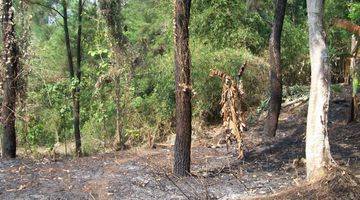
269	166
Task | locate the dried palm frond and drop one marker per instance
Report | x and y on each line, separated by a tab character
232	107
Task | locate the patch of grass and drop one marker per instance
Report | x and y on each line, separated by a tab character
336	88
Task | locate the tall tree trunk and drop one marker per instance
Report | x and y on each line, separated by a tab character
76	105
111	10
318	155
275	71
11	63
77	88
67	40
182	149
355	73
24	68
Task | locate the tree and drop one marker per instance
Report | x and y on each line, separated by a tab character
76	78
354	64
182	149
76	96
22	82
111	10
355	73
11	63
275	71
318	155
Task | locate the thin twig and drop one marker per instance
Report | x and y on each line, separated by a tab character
46	6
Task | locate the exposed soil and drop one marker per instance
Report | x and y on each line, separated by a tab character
269	167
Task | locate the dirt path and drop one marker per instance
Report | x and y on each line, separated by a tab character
145	174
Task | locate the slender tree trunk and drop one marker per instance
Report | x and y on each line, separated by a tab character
275	71
182	149
11	64
318	155
77	88
111	10
120	141
67	40
24	68
354	71
74	92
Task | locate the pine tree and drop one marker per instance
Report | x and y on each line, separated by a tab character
182	149
275	71
11	62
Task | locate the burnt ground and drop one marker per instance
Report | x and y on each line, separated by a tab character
269	166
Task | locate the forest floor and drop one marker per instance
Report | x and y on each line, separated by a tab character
269	166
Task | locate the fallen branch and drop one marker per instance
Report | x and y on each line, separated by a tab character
300	100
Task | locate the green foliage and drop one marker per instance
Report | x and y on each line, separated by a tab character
295	56
356	85
336	88
295	92
354	12
263	106
208	90
228	24
223	35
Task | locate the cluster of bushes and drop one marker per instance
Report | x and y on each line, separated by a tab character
223	35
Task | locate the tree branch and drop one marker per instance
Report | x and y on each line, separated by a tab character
347	25
46	6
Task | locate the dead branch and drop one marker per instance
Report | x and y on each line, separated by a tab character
45	6
232	107
347	25
300	100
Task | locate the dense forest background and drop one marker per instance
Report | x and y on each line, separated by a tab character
224	34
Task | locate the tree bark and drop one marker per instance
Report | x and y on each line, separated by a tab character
354	71
318	155
23	42
275	71
111	10
67	40
182	148
121	142
11	64
75	91
77	87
